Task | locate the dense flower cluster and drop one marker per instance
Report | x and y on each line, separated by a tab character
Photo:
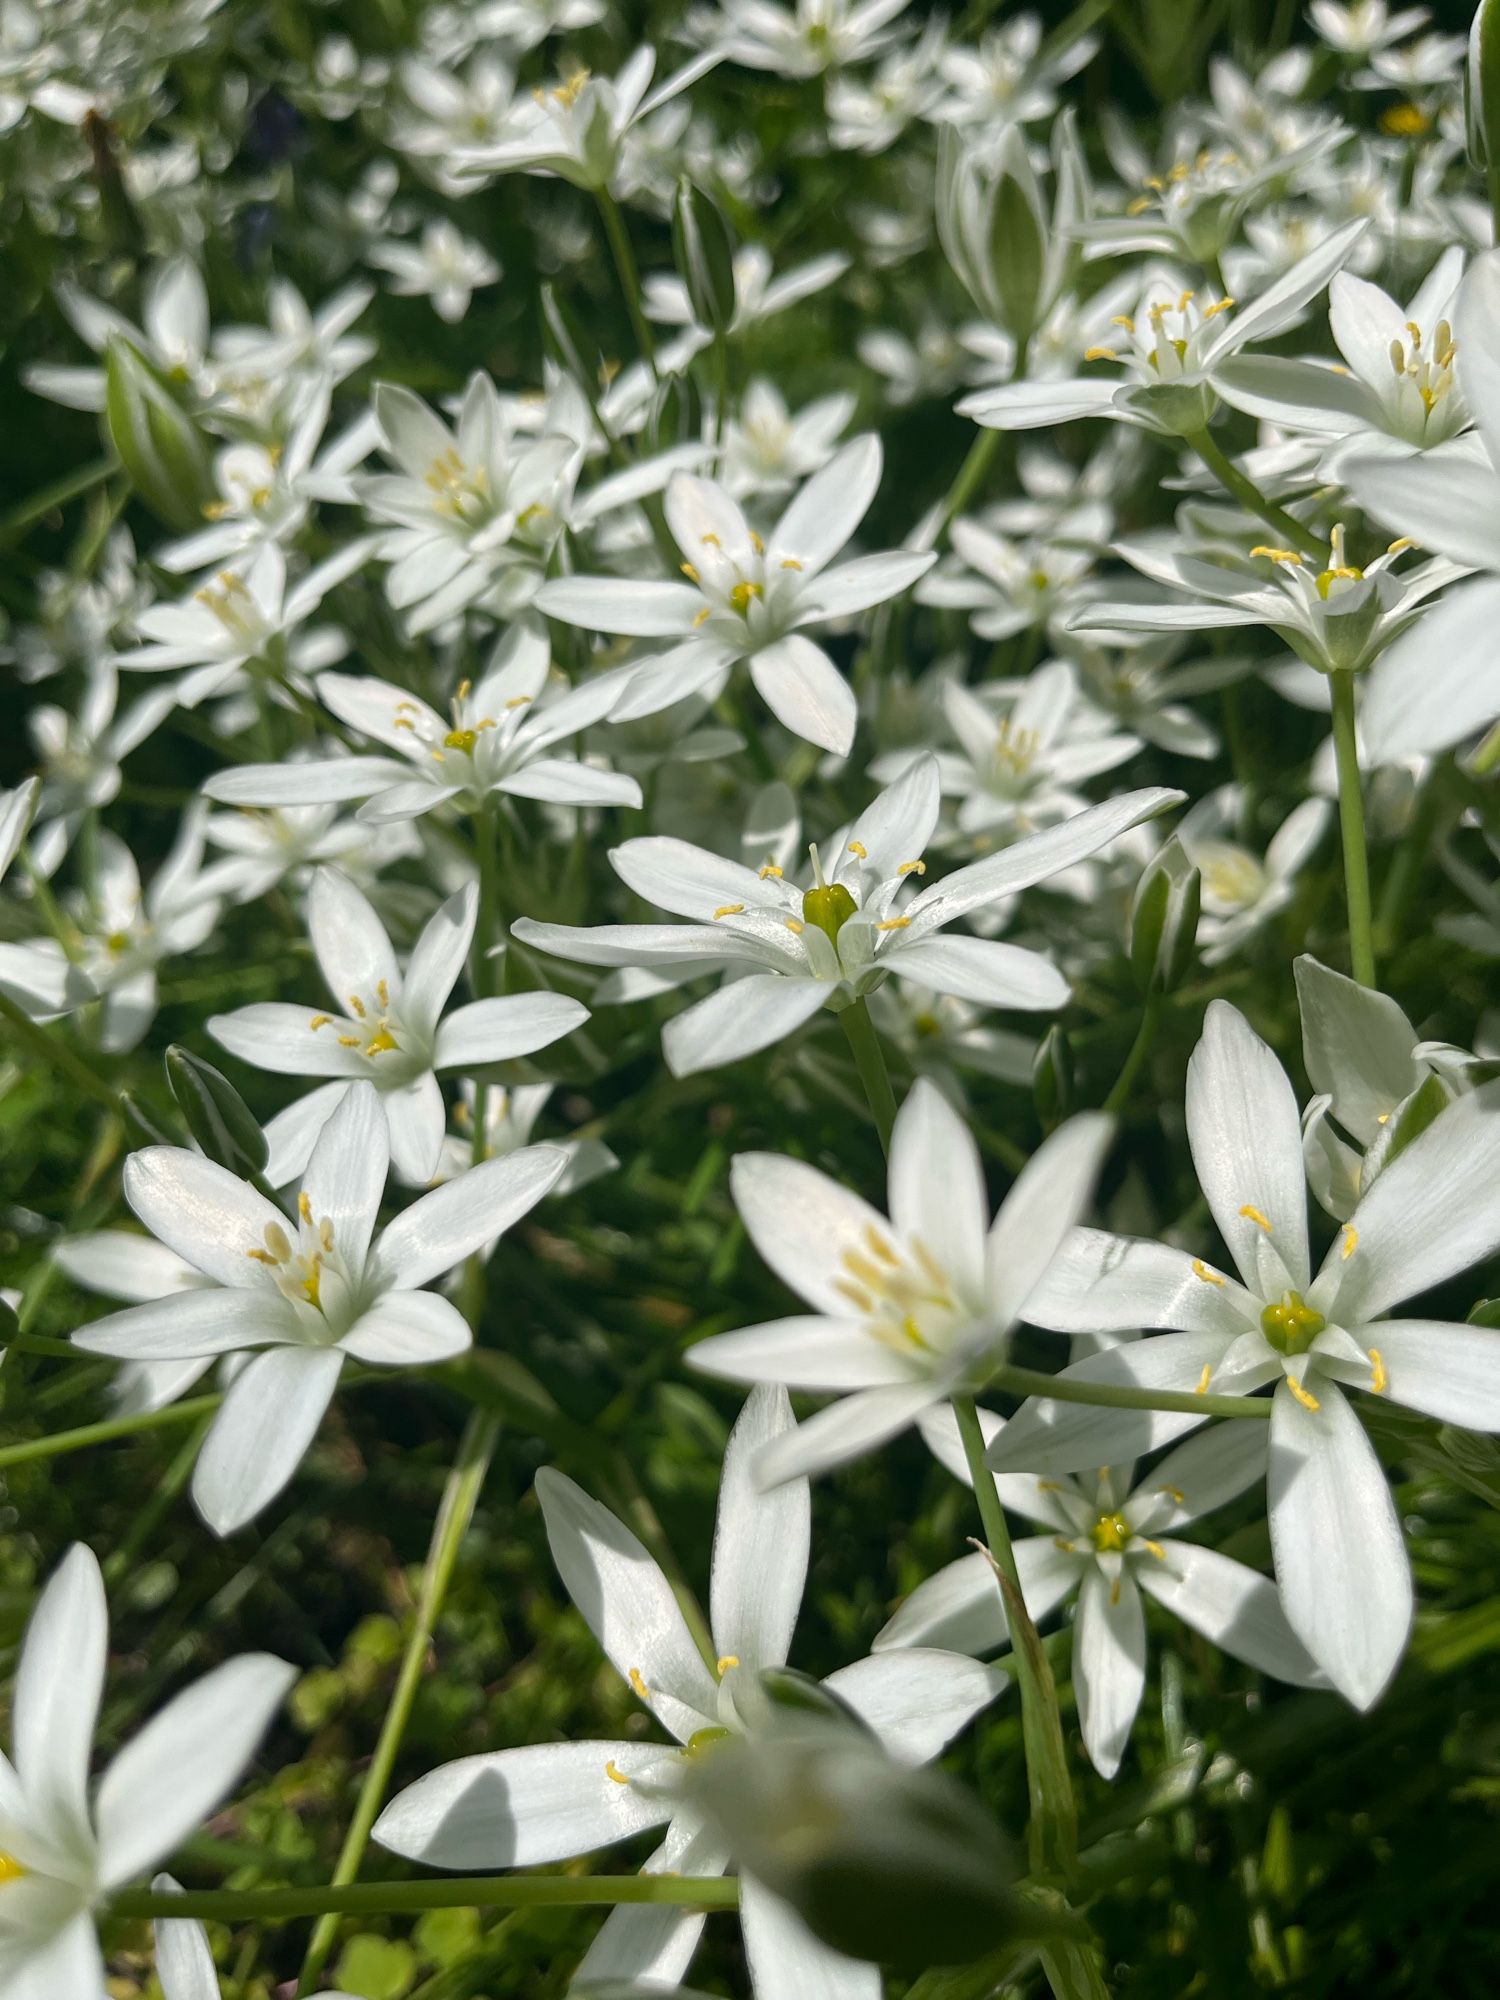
576	557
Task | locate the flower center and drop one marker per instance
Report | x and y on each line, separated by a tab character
228	598
299	1268
10	1869
1111	1532
1428	368
903	1294
460	491
1290	1326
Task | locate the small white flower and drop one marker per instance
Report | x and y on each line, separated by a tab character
64	1846
908	1311
803	39
1243	891
551	1801
310	1291
444	266
1340	1559
389	1028
1105	1544
748	599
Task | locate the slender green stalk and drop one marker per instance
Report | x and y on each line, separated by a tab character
966	481
630	282
1249	495
1352	827
1052	1827
456	1511
1140	1048
1120	1396
106	1432
48	498
144	1523
454	1892
869	1060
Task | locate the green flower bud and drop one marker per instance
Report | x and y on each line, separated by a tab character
703	249
1052	1083
1017	240
215	1114
1164	921
142	1126
158	443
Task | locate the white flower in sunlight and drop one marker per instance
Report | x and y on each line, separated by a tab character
184	1963
66	1846
120	1265
244	613
80	749
1009	586
311	1291
1398	383
867	114
804	949
758	295
803	39
580	127
443	266
1338	616
1241	890
262	372
767	449
1340	1560
17	809
509	1117
261	848
445	111
390	1028
1442	683
1022	752
1170	349
1365	26
1004	78
1105	1544
499	738
173	336
551	1801
910	1311
748	599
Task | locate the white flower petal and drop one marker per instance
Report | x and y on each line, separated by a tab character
937	1190
193	1325
802	1223
416	1115
1051	1191
760	1544
207	1215
443	1227
1445	1371
352	948
788	1963
825	1355
438	958
915	1698
1246	1139
742	1018
58	1684
263	1428
988	971
653	1944
408	1330
1232	1607
1439	682
515	1024
610	604
1109	1665
1340	1558
1050	1436
292	1133
845	1430
826	511
1099	1283
345	1176
804	690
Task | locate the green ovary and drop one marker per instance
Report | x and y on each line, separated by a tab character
829	906
1290	1326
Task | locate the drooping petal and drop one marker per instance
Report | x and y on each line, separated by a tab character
1232	1606
515	1808
1340	1558
184	1763
628	1605
742	1018
264	1426
761	1542
445	1226
1029	406
915	1698
1109	1664
804	690
408	1330
1246	1139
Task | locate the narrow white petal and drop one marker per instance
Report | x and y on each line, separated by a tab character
827	510
516	1024
742	1018
845	1430
788	1963
1050	1436
653	1944
445	1226
264	1426
208	1216
915	1698
1051	1192
438	958
988	971
1099	1283
352	948
825	1355
1445	1371
1232	1606
58	1684
802	1223
1109	1665
192	1325
804	690
1246	1138
408	1330
761	1542
937	1190
1439	683
345	1176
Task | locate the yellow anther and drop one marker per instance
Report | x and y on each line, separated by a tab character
1344	573
858	848
1401	544
614	1773
1061	1542
383	992
1304	1396
320	1021
1125	320
261	1257
712	542
404	722
771	871
860	1300
912	868
1379	1380
1219	306
794	926
1201	1270
756	543
703	616
690	571
1100	354
638	1682
1203	1380
1351	1241
1175	1494
465	689
894	924
725	1662
744	594
880	1245
1139	206
1415	331
729	910
856	1262
1277	555
348	1041
304	1205
1253	1214
1154	1548
381	1042
790	562
10	1869
358	1005
914	1333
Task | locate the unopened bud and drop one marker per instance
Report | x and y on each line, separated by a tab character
1164	921
217	1117
158	443
1052	1083
703	249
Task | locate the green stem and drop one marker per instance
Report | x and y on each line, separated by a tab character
1352	827
630	283
48	498
455	1512
869	1060
1140	1048
1053	1822
1121	1396
456	1892
145	1523
104	1433
966	481
1250	497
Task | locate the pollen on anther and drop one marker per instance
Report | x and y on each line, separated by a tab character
613	1772
1379	1380
1175	1494
1201	1271
304	1205
859	850
358	1005
1304	1396
772	871
794	926
725	1662
894	924
1351	1241
638	1682
1204	1379
729	910
348	1041
912	868
1255	1215
320	1021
